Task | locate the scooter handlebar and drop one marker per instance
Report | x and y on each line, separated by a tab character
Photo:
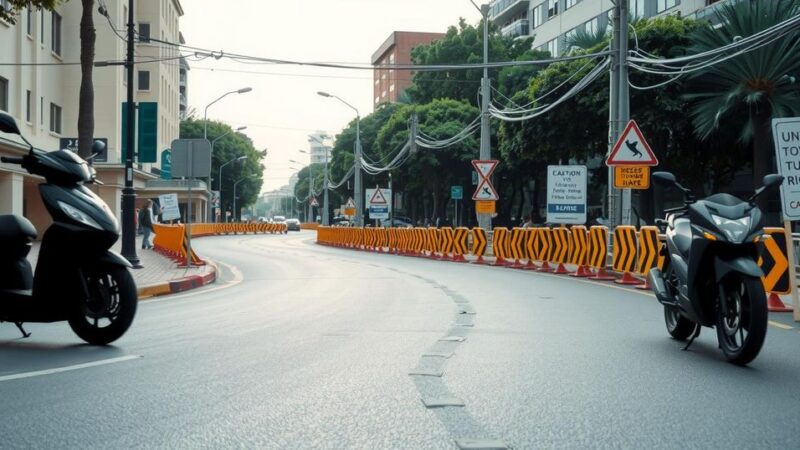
12	159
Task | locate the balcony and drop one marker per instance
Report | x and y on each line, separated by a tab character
502	10
710	12
518	28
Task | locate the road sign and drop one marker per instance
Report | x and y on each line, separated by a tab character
378	204
632	149
314	202
566	194
485	207
485	190
169	207
632	177
456	192
166	164
191	158
786	134
350	207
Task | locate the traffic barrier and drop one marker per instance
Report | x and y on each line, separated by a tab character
479	245
544	248
446	239
580	252
649	250
419	241
598	253
499	243
530	248
517	247
561	248
624	255
433	243
774	262
460	236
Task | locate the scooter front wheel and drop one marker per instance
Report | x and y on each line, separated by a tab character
108	311
742	327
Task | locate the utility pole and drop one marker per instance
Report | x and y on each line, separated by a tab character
619	201
309	217
128	193
358	188
485	220
325	210
623	110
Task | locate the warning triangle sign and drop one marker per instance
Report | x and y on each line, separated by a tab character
632	149
314	202
350	203
378	198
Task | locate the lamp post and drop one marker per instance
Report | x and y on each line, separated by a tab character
234	193
325	209
205	112
358	192
214	141
310	214
219	183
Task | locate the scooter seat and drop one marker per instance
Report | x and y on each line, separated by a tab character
15	230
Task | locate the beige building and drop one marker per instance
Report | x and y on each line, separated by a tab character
389	84
41	93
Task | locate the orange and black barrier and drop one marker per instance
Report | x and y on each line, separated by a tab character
580	252
499	244
479	245
774	261
446	242
624	256
460	249
649	250
517	247
530	248
561	248
434	243
419	241
544	248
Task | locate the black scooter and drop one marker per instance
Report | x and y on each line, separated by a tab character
77	279
711	276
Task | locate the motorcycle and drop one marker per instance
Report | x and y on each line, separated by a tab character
710	275
78	278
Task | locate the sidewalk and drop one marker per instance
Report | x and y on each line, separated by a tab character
160	275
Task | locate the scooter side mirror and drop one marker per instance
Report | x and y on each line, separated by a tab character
8	124
664	179
770	181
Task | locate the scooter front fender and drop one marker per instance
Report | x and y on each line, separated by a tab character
743	265
113	258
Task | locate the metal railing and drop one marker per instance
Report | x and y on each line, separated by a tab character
518	28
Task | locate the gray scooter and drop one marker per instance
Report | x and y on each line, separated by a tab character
78	278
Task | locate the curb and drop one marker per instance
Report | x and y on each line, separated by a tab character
179	285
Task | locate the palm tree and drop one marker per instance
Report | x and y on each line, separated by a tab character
585	40
86	97
746	92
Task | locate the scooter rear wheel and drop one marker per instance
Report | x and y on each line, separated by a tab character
108	312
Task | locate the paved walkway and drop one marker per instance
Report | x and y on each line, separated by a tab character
158	270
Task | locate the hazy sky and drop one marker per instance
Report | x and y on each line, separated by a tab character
283	107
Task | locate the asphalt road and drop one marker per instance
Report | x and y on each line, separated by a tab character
303	346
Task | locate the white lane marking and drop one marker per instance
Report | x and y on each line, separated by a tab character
39	373
237	278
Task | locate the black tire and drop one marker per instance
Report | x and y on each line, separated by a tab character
108	313
678	326
747	312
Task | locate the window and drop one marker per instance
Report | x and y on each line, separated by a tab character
377	99
29	26
552	8
28	106
637	8
571	3
568	37
552	47
593	26
536	16
41	26
55	37
664	5
144	80
391	88
6	5
41	110
3	94
144	32
55	118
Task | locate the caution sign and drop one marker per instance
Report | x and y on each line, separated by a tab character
485	190
350	207
378	206
632	149
773	261
314	202
485	207
786	134
632	177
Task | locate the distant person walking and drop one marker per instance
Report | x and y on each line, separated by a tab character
146	222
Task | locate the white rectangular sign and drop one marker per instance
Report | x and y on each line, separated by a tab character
786	134
566	195
378	202
169	207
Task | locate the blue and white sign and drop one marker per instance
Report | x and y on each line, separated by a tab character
566	195
378	203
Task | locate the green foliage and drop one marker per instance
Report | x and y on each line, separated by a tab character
227	148
586	40
10	16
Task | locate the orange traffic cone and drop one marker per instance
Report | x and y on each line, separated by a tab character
774	304
628	279
602	275
561	270
582	272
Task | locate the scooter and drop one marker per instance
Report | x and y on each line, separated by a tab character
711	276
77	279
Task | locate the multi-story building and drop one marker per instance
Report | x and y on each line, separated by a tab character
319	150
552	22
390	83
41	93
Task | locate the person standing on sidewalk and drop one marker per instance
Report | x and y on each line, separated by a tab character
146	222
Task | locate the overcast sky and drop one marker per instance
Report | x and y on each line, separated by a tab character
283	107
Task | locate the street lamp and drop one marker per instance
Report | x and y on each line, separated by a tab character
325	210
205	112
214	141
219	183
358	193
310	217
247	177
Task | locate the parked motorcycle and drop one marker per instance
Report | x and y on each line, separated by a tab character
711	276
77	278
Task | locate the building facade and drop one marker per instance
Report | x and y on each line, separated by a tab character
389	84
42	91
551	22
319	151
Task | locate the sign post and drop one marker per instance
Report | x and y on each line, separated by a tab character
631	158
786	134
485	193
190	158
456	193
378	203
566	194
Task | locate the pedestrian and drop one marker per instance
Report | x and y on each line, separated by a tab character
146	222
438	222
526	222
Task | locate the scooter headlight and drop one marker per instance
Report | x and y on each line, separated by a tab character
734	229
78	215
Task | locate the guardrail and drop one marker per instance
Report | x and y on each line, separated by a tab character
170	240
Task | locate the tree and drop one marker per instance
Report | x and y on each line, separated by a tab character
88	36
747	91
10	15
